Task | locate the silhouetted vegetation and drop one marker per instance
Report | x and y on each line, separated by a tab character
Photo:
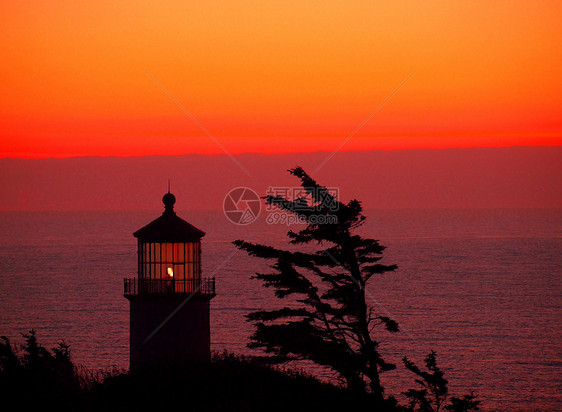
228	383
334	326
34	378
433	392
330	320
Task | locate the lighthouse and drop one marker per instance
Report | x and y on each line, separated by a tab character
169	301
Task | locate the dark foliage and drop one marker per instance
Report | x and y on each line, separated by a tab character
37	377
333	326
34	378
228	383
433	391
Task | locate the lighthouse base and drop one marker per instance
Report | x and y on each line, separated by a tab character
169	329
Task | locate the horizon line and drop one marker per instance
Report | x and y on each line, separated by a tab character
404	149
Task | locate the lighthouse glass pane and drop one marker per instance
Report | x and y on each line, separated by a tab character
151	259
179	285
179	278
178	252
169	252
143	260
179	272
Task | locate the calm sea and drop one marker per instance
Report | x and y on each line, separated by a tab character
483	288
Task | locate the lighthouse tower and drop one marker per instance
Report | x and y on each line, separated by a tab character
169	301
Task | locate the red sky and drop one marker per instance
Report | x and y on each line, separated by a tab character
517	177
81	78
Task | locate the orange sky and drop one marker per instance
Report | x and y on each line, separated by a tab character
276	76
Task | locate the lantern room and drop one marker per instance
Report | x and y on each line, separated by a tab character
169	256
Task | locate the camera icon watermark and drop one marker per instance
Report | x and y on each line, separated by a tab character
241	206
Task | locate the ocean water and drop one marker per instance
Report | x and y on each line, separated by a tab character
483	288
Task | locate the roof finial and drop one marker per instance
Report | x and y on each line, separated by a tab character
168	185
169	199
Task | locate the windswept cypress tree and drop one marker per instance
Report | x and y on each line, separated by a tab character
334	323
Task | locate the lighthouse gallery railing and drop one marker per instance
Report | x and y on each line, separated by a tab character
134	286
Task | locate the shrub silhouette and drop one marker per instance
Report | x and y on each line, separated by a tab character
432	395
38	377
34	378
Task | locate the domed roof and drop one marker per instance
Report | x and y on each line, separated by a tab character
169	227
